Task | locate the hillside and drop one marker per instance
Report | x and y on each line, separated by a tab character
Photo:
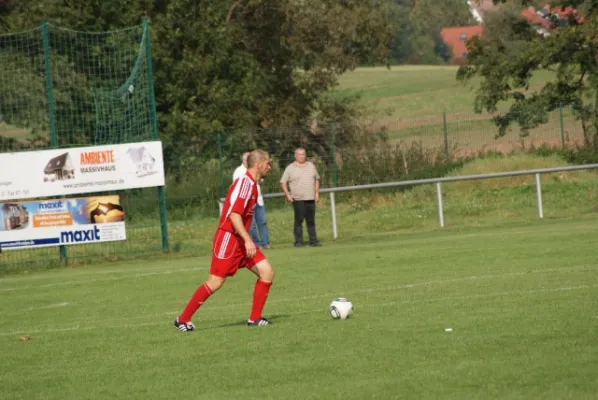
412	91
410	101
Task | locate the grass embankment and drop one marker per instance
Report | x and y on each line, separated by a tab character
496	202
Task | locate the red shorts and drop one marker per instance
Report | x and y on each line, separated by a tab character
228	254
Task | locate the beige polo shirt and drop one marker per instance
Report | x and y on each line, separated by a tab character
301	180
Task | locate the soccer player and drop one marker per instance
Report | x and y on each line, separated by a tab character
233	247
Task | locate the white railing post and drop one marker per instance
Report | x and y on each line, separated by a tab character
333	212
539	196
440	209
438	182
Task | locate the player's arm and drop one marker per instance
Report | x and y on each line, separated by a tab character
285	189
317	177
237	221
283	185
317	194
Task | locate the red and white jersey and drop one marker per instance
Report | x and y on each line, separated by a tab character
241	199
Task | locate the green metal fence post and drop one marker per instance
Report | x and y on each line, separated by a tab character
51	110
154	124
221	167
562	126
445	134
49	86
333	155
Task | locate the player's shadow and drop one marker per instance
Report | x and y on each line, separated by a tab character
274	318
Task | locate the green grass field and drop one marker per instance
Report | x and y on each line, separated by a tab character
414	91
521	301
520	294
410	101
484	203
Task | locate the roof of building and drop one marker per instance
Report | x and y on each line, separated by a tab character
57	163
533	15
456	37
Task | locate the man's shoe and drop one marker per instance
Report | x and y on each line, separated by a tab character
298	244
317	244
184	326
259	322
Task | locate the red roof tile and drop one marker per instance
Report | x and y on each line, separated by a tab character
456	38
530	15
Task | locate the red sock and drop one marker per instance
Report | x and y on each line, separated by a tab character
199	297
260	294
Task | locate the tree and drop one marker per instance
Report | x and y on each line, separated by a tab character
429	17
506	65
402	44
74	73
259	65
7	7
506	24
237	66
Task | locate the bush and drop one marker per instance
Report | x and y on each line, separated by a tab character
194	191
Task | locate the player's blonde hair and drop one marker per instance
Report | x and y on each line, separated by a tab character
256	156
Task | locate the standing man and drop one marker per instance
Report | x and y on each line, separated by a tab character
258	224
233	247
303	191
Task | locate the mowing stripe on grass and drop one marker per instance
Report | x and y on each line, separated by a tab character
312	297
111	278
86	327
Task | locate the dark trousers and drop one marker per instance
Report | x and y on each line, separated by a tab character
305	210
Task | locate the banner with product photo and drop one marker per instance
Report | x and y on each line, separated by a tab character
61	222
45	173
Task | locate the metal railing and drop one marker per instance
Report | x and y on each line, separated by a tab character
438	182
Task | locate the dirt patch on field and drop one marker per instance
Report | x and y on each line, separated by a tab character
395	123
469	144
513	146
9	131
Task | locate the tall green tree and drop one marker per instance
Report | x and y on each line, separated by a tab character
254	65
225	66
418	24
402	45
429	17
506	64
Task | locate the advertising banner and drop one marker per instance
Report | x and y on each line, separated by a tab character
46	173
61	222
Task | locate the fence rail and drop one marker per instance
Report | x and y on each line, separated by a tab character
438	182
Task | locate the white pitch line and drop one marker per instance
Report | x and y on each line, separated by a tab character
57	305
34	276
498	294
110	278
170	271
428	283
81	328
46	307
319	310
369	290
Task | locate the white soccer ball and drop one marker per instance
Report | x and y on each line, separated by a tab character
341	308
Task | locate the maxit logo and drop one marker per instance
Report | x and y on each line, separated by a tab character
54	205
80	235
